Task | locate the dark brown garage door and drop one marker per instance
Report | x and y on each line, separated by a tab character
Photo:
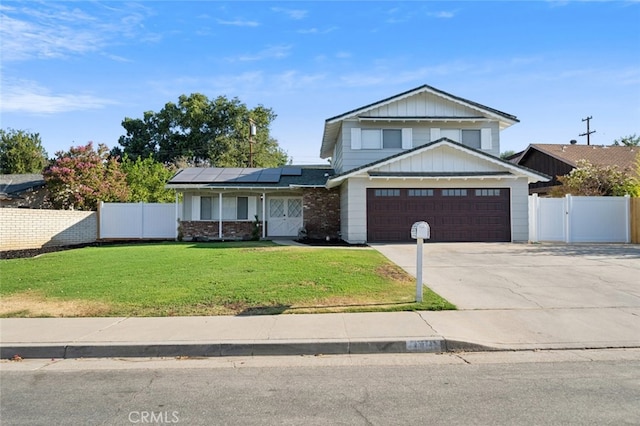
458	214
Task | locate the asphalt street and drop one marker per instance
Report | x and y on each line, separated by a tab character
564	387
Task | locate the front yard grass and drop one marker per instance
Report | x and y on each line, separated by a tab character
165	279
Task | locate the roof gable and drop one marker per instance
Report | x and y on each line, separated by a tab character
442	158
424	103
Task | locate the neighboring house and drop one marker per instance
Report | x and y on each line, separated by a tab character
23	190
559	159
421	155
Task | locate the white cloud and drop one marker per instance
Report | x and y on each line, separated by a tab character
53	30
28	97
239	23
271	52
317	31
443	14
295	80
296	14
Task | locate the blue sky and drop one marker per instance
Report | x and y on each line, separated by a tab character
72	71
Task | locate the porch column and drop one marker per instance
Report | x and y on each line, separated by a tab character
264	215
177	215
220	215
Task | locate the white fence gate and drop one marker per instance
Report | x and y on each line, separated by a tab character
138	220
580	219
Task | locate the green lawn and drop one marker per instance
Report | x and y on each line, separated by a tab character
164	279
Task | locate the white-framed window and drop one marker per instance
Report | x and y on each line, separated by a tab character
206	208
242	208
381	138
471	138
371	139
233	208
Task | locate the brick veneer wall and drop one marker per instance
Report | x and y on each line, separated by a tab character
321	212
192	230
31	228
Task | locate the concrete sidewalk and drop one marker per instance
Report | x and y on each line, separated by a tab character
220	336
511	297
356	333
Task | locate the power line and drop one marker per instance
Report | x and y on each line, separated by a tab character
588	133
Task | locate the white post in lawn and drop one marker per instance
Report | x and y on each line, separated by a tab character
420	231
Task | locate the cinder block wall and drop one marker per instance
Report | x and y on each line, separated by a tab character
27	228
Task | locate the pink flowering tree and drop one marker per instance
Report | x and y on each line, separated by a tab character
82	177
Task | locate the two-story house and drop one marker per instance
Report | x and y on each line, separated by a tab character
420	155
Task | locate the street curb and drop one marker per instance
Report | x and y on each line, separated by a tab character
216	349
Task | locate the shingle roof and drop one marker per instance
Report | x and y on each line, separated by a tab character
622	156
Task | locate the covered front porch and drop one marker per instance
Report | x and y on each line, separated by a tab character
244	204
241	215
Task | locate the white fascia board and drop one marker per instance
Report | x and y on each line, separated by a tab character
427	119
439	178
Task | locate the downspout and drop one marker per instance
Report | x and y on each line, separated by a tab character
220	215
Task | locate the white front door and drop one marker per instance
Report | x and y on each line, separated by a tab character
284	218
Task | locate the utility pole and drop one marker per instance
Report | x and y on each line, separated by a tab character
588	131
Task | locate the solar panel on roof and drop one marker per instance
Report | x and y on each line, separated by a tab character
292	171
269	179
246	179
186	175
209	173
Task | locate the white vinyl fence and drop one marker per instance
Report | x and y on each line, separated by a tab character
580	219
138	220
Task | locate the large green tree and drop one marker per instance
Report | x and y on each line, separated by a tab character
203	132
146	179
21	152
83	176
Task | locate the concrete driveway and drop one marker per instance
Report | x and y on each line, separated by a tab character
526	276
531	295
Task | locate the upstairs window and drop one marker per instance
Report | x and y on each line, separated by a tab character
381	138
471	138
